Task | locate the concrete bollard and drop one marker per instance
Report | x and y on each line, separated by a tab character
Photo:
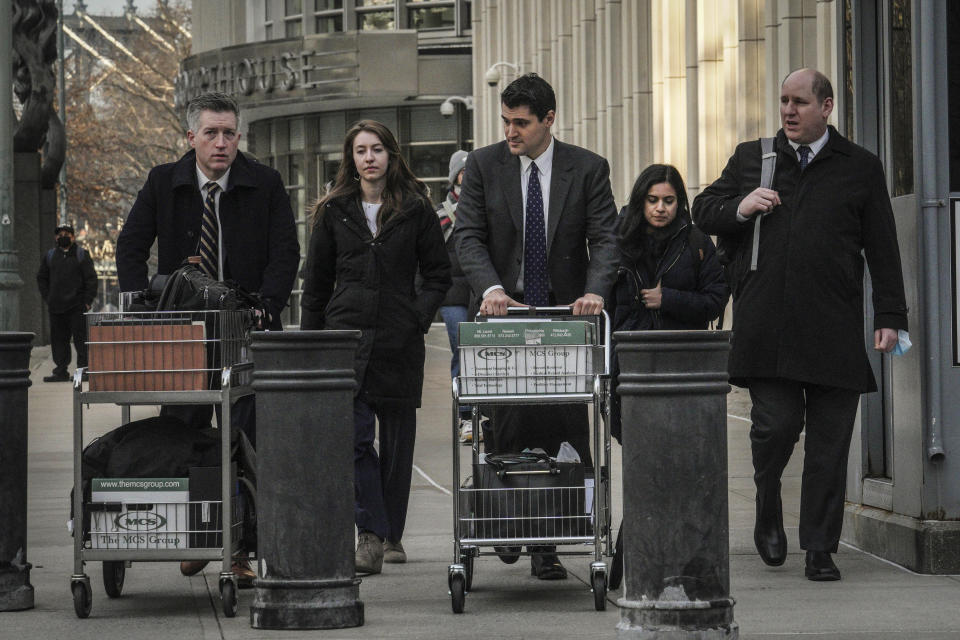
304	383
16	592
673	386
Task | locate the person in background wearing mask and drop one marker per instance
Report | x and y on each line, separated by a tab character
68	284
454	307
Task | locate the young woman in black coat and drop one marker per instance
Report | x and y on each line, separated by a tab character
372	232
669	276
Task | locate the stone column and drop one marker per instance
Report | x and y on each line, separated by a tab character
673	386
304	383
16	592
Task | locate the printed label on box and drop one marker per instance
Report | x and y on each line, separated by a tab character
139	513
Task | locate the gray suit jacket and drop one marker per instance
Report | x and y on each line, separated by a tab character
489	229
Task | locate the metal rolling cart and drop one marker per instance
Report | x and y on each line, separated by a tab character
158	358
574	517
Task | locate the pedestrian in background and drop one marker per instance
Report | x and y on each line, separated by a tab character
798	306
68	284
454	307
372	232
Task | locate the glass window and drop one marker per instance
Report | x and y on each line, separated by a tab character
327	5
849	130
430	160
295	132
332	129
293	28
329	25
268	32
294	170
375	21
901	97
953	84
292	7
432	17
426	123
267	16
375	15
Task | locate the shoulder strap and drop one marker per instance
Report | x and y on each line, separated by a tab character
768	166
80	254
768	160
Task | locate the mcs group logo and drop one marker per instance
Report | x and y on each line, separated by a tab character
140	521
494	353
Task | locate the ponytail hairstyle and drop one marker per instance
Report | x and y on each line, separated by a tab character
401	183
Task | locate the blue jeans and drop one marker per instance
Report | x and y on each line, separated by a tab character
452	317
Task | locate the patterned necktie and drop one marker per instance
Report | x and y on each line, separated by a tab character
210	233
804	152
534	245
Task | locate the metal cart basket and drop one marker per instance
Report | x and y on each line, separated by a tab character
541	503
158	358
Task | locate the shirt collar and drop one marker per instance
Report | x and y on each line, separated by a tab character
816	145
202	179
544	161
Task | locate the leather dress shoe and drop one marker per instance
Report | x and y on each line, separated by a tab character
820	567
768	533
508	555
546	566
192	567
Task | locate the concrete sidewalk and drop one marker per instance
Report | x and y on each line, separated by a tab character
875	599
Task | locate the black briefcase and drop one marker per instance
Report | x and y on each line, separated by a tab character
528	495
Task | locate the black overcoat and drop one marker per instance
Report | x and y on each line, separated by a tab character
800	315
357	281
261	250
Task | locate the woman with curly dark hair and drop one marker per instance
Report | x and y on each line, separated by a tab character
372	232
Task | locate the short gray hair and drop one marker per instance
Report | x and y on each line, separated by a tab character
216	102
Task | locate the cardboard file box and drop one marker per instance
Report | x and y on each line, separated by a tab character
510	358
147	357
138	513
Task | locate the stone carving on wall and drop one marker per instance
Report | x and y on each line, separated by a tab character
34	53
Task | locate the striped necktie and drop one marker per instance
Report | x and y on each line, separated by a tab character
210	233
804	152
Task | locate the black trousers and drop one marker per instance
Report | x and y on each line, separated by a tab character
63	327
781	410
382	481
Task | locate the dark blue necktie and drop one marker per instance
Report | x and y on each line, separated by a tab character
534	245
804	152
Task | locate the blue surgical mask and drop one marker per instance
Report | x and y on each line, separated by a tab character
903	343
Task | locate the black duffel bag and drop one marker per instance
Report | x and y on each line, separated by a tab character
528	495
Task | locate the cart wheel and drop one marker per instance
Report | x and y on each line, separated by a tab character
599	583
82	598
457	592
228	597
467	562
113	574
